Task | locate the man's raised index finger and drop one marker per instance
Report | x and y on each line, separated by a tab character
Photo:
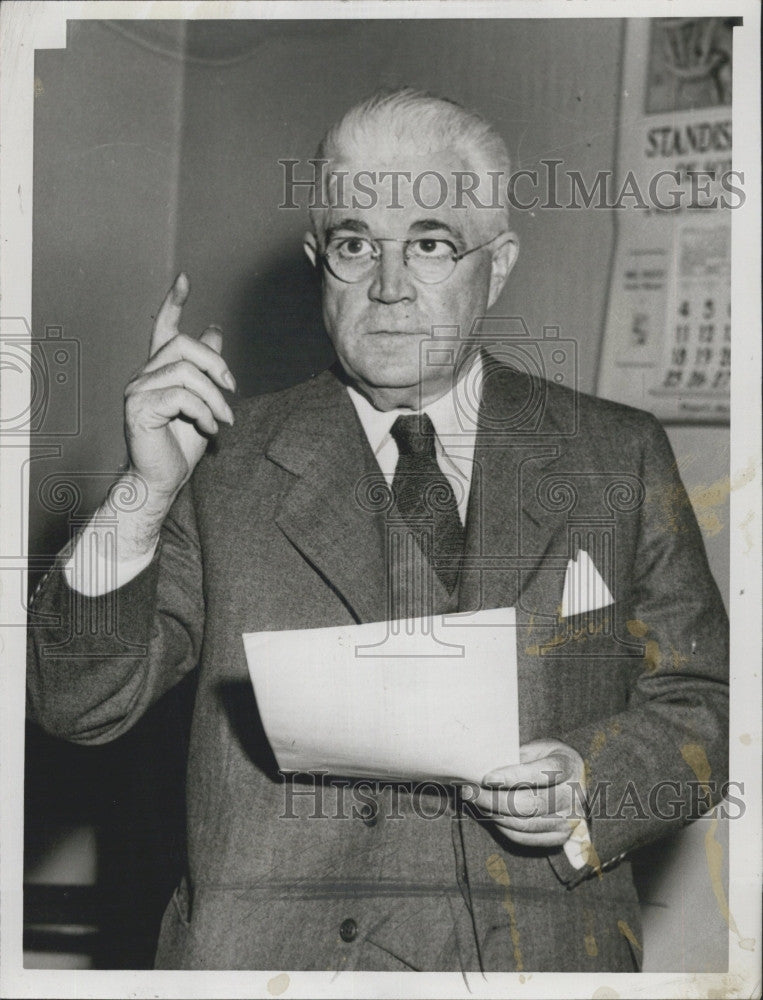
168	317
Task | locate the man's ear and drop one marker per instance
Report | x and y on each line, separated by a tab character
504	258
310	246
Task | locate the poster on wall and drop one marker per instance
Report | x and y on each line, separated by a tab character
667	337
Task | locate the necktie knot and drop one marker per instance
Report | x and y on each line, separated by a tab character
414	435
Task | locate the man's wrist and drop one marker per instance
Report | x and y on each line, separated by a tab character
134	512
120	539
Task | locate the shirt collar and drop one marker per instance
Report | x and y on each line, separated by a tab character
453	415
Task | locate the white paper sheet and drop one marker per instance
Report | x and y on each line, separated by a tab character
415	699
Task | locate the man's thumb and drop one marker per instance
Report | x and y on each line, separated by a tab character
213	337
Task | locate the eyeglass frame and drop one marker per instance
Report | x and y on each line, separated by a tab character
373	240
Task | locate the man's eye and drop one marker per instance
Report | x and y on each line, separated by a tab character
354	246
431	248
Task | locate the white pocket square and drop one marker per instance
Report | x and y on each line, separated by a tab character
584	589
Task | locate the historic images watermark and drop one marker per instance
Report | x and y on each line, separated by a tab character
45	376
319	795
550	187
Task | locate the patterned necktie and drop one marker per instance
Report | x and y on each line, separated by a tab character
424	495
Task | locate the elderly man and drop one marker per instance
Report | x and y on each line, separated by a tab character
262	524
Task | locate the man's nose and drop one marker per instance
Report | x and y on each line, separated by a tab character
392	280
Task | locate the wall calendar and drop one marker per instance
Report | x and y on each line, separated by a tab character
667	337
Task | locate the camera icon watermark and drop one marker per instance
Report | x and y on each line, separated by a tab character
509	353
41	380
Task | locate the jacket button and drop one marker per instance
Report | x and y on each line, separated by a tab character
348	930
369	814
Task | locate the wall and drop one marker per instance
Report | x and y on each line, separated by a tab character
108	115
157	149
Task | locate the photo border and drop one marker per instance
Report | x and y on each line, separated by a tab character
29	26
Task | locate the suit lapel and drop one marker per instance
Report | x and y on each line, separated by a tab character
332	513
335	514
509	539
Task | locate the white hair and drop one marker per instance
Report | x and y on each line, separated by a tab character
409	122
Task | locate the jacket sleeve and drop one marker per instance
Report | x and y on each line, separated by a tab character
95	664
664	760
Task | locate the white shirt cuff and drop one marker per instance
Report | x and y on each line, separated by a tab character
578	846
93	570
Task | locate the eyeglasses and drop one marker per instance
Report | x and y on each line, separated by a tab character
430	260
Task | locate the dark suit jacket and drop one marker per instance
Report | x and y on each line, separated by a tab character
272	533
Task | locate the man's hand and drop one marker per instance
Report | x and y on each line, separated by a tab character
174	402
537	802
171	408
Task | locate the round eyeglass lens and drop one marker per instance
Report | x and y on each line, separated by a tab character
431	260
353	258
